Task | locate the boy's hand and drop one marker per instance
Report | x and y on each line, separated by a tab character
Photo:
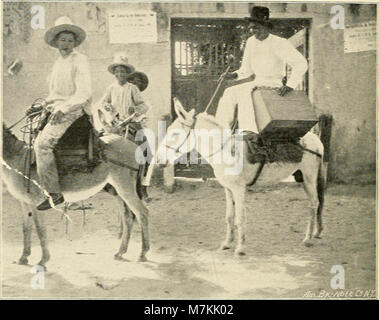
230	75
33	109
56	118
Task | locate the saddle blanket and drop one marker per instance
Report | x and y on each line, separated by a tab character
270	150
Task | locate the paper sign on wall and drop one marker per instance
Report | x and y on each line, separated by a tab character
360	37
132	26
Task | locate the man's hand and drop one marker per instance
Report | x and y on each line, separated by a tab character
33	109
284	90
56	118
131	110
230	75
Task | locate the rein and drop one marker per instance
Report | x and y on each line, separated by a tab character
186	138
308	150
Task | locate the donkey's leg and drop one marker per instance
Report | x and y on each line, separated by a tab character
229	217
38	218
27	224
310	187
239	200
136	205
127	220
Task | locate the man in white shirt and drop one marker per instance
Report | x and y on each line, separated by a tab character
70	93
264	60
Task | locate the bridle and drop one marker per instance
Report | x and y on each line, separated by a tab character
192	126
177	149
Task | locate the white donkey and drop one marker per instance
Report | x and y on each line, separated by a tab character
175	145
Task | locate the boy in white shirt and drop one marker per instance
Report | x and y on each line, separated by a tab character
124	95
70	93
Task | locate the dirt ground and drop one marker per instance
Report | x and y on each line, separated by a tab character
186	229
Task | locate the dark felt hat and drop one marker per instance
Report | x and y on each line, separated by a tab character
260	15
139	79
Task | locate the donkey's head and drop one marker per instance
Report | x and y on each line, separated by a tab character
179	138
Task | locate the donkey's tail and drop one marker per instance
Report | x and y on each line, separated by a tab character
321	187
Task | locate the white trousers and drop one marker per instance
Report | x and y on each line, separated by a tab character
240	95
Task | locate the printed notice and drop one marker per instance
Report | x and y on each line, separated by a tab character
360	37
132	26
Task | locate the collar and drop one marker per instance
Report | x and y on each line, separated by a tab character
126	84
269	37
70	56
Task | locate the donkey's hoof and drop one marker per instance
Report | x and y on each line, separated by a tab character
142	259
225	246
317	235
307	243
43	266
23	261
147	200
240	253
118	257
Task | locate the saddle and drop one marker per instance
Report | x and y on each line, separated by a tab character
269	149
82	148
79	149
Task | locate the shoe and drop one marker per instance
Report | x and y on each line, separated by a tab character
45	205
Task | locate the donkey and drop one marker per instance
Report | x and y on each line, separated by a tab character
235	185
75	187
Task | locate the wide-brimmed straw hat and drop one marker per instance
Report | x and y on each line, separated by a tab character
120	59
260	15
64	24
139	79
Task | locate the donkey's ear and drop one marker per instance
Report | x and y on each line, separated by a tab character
179	109
191	113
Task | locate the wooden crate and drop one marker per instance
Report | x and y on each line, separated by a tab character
289	116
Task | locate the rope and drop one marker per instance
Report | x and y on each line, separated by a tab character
17	122
40	101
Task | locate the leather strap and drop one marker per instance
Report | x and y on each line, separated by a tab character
257	174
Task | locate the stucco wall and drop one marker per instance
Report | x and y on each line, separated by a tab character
343	85
38	58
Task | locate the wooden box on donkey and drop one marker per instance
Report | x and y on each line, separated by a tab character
290	116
